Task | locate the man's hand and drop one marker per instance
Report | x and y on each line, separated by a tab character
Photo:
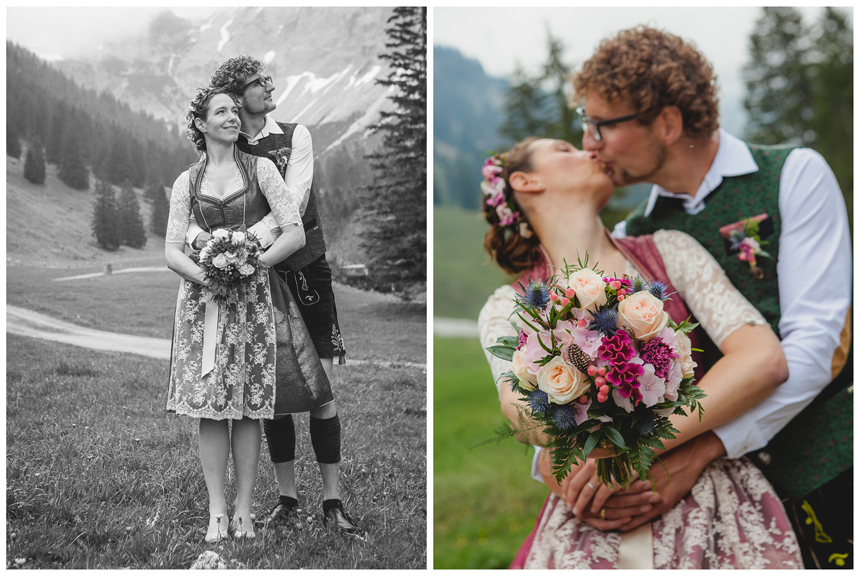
201	240
685	463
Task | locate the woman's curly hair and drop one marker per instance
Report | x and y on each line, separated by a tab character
653	69
512	251
232	73
197	109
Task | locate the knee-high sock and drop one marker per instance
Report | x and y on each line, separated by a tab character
281	437
325	438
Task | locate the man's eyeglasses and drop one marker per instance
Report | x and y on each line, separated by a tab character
595	125
263	81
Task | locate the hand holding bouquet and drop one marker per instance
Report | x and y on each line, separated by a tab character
229	258
598	363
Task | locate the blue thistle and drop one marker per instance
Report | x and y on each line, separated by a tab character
638	285
658	290
646	424
605	320
538	402
563	418
536	295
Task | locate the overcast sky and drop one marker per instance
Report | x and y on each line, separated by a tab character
500	38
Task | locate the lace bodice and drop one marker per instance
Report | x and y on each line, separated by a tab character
694	273
284	203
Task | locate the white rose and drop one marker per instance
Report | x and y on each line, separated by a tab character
685	354
246	269
220	261
520	367
589	287
642	313
562	382
220	233
238	238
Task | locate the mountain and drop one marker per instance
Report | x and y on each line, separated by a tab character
468	106
323	62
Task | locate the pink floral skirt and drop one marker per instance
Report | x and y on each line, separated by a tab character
732	518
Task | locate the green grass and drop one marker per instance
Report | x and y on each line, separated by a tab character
484	501
99	476
463	274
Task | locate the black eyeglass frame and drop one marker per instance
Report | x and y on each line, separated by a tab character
263	81
597	124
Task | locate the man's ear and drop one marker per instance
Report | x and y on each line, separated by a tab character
240	101
671	125
526	183
200	124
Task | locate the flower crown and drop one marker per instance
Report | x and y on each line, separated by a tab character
493	188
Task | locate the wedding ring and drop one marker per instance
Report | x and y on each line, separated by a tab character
592	486
603	513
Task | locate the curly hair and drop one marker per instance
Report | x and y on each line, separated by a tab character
198	109
653	69
233	72
512	251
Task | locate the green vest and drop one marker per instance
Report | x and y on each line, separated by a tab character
816	445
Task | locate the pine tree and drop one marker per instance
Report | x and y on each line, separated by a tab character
132	232
34	163
160	209
105	220
13	141
395	210
73	172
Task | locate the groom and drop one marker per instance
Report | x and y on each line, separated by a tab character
650	108
306	272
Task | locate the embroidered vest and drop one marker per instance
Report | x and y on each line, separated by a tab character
816	445
244	207
278	148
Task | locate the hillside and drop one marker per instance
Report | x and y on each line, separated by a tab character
49	225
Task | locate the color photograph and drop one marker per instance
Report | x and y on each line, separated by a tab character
635	211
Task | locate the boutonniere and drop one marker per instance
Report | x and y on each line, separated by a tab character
282	158
745	238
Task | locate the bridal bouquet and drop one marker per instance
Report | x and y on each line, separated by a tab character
599	364
230	257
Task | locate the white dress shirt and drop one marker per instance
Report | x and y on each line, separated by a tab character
814	279
299	177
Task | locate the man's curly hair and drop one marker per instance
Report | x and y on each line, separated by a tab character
197	109
233	72
653	69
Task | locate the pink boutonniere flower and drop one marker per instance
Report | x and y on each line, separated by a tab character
281	157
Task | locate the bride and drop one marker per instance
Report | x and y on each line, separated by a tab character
732	518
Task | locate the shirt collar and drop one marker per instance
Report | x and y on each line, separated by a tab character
733	159
270	127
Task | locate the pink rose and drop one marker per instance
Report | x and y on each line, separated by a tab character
589	288
522	368
642	313
562	382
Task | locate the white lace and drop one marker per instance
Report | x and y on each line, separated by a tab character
283	203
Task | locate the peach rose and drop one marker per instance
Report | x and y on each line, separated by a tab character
685	354
520	367
562	382
589	288
642	313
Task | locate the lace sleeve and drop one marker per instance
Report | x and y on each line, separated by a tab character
180	211
493	322
284	204
703	285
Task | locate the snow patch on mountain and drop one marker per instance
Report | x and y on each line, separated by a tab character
369	76
370	116
225	35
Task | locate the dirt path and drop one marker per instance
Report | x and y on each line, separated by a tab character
23	322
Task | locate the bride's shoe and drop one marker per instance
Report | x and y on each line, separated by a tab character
238	528
218	527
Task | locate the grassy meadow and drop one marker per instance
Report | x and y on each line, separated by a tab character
484	500
99	476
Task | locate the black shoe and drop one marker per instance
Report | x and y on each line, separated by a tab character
336	518
281	513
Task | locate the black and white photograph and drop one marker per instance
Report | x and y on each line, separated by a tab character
216	263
